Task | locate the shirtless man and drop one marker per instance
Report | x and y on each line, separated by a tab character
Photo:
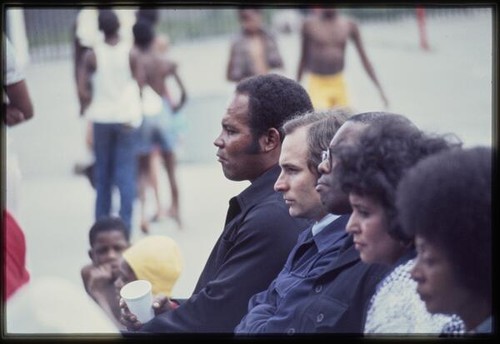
158	111
324	39
254	51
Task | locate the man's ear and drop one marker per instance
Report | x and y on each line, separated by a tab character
271	140
90	255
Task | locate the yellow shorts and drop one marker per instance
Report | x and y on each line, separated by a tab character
327	91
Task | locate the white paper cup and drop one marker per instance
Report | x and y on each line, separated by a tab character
139	299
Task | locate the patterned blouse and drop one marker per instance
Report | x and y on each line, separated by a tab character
396	308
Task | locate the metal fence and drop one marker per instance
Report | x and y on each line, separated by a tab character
49	30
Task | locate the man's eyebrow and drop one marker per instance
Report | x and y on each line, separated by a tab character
288	165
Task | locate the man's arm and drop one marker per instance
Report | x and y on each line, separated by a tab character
253	259
169	68
229	68
261	308
356	37
233	71
183	99
19	108
85	70
303	52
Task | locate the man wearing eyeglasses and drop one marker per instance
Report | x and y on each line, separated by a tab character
327	293
301	152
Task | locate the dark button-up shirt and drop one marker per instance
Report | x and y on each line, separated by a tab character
308	259
257	238
330	296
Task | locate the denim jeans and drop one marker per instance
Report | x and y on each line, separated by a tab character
115	164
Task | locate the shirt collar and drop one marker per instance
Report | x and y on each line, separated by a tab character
260	188
326	220
332	233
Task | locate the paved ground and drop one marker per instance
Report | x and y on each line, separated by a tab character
448	89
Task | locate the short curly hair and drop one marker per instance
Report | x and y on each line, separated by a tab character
375	164
105	224
446	199
143	34
273	99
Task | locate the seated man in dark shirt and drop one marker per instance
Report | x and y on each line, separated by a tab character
259	233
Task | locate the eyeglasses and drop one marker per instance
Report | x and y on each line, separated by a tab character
326	155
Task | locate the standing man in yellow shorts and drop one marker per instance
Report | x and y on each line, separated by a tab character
324	39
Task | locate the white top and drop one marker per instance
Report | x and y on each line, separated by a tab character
396	307
13	72
87	26
115	95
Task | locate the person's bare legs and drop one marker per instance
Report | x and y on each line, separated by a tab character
170	165
154	175
143	181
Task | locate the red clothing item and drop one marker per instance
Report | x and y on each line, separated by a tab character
15	256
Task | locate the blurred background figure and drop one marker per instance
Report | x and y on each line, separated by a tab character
16	274
159	134
53	305
255	50
161	42
108	239
325	35
109	81
16	99
447	206
86	34
422	31
18	107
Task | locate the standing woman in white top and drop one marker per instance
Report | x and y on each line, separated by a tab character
109	80
370	172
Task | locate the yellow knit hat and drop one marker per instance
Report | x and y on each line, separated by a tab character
158	259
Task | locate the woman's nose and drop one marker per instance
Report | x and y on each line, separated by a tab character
352	226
